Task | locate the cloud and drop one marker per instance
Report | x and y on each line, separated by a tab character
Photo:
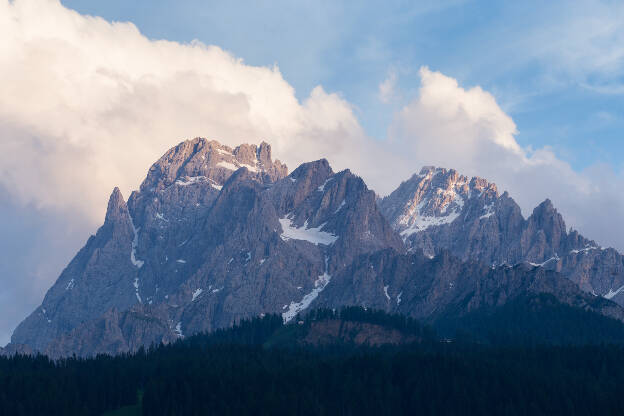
583	44
465	129
387	87
589	40
82	95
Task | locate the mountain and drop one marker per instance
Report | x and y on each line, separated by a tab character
445	288
215	235
439	209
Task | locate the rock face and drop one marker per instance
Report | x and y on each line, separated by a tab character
439	209
444	287
205	243
215	235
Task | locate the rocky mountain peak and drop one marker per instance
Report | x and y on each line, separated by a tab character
200	160
434	197
545	216
117	209
218	234
439	209
317	169
546	212
545	234
264	153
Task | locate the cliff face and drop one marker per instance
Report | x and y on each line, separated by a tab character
215	235
439	209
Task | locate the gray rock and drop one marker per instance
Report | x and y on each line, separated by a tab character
439	209
215	235
202	246
445	287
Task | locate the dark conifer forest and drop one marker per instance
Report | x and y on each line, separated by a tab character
263	367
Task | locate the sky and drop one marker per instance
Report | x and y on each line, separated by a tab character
529	95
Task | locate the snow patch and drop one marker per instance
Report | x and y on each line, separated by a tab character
190	180
227	165
180	261
313	235
135	241
386	292
295	307
342	204
249	167
489	211
416	221
421	223
584	250
136	289
322	187
398	299
161	217
196	294
70	285
178	330
44	313
555	258
612	293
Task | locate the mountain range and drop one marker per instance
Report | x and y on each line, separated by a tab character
215	235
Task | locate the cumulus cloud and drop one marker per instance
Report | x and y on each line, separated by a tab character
82	95
447	125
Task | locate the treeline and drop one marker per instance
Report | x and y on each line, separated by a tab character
535	319
233	372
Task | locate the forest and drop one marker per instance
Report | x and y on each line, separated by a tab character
262	367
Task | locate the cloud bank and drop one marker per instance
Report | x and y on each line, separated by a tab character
447	125
82	95
88	105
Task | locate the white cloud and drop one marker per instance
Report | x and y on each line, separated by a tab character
447	125
387	87
87	105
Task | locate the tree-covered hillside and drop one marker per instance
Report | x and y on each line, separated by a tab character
263	367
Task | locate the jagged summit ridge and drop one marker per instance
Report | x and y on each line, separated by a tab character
202	160
439	209
214	235
436	196
217	234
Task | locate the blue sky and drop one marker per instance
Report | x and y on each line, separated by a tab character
562	100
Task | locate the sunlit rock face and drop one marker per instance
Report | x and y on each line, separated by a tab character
215	235
439	209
